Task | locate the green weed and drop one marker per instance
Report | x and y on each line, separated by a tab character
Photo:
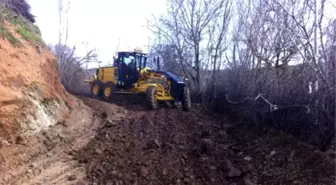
26	29
28	34
5	34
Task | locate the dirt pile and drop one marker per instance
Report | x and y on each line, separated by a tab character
31	96
174	147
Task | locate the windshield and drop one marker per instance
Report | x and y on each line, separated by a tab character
141	61
137	60
127	59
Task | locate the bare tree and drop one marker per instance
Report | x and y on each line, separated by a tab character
71	67
186	30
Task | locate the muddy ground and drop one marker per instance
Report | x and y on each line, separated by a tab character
121	143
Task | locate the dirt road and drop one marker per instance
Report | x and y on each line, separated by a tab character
124	144
47	158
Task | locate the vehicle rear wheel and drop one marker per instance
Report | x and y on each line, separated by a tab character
186	100
97	89
109	89
151	98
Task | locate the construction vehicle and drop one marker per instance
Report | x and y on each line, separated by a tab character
129	75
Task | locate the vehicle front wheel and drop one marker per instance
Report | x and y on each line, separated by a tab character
151	98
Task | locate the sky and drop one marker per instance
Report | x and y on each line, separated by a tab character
107	25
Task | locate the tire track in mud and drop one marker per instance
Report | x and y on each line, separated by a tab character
47	157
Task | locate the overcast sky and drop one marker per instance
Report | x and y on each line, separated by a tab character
101	23
105	24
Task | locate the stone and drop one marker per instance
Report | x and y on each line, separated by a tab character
222	133
206	146
19	140
114	172
234	148
119	175
273	152
247	168
185	180
80	183
98	151
184	156
164	172
103	115
157	143
331	153
213	168
234	172
109	123
144	172
291	156
248	182
205	133
72	178
248	158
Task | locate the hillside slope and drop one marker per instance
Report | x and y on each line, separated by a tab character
31	95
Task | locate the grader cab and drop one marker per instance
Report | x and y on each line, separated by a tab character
129	75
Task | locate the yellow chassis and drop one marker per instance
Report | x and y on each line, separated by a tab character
162	94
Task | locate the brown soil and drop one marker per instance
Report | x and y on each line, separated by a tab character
28	73
175	147
103	143
47	157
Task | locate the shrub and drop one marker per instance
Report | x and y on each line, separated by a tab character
20	7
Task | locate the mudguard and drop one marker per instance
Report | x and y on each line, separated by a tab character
177	84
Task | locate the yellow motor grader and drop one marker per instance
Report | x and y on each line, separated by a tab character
129	75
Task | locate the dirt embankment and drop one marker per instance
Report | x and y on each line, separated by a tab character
174	147
48	157
31	96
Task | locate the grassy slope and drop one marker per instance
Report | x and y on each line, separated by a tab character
25	29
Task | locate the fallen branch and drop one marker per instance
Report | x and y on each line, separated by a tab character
232	102
273	107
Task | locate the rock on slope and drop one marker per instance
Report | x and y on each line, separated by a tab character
31	96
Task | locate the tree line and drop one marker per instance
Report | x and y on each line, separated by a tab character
268	61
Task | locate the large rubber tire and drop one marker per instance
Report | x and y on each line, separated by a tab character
97	89
186	100
150	98
109	89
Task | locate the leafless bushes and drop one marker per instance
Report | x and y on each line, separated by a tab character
21	7
282	52
304	92
72	68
